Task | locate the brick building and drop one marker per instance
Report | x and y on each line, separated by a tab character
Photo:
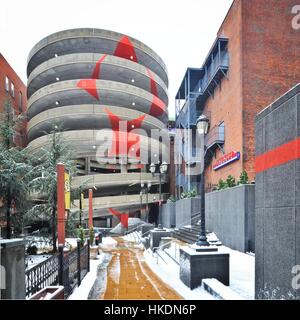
12	88
254	59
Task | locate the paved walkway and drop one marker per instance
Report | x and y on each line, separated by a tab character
129	277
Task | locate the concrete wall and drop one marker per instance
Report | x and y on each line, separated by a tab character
167	215
12	264
277	190
187	211
230	214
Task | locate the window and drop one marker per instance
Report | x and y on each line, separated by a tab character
6	84
20	102
12	89
222	130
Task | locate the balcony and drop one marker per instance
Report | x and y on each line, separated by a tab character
214	140
185	100
215	69
188	115
199	84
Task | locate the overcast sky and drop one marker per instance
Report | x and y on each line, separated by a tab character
180	31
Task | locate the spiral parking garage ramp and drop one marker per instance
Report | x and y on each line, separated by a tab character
87	81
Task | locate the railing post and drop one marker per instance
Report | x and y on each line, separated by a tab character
78	263
88	255
61	265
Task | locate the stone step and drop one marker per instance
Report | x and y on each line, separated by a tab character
191	231
188	232
183	237
219	290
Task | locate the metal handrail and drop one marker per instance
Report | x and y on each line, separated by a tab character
181	225
174	259
135	229
158	256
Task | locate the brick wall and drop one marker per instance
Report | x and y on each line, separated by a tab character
264	63
7	71
226	103
271	62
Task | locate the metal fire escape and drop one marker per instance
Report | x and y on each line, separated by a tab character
197	86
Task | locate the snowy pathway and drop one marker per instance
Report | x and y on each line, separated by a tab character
129	276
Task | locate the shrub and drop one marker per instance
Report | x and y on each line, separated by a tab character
80	235
244	179
171	199
189	194
222	185
230	181
92	236
32	250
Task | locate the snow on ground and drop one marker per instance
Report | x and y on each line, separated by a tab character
82	292
222	291
135	238
242	269
71	243
132	224
169	273
109	241
242	272
33	260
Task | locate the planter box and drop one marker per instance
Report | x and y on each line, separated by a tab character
167	215
230	214
49	293
187	211
196	266
156	235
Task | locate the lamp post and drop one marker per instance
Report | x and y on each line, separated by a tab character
141	202
163	168
202	128
80	209
147	189
147	193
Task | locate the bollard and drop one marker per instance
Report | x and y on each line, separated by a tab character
78	263
61	265
88	248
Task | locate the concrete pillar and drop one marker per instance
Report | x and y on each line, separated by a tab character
90	208
109	222
124	168
87	165
144	215
12	269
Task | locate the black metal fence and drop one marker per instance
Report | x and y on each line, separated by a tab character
42	275
65	268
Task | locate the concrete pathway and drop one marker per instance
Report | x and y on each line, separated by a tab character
129	277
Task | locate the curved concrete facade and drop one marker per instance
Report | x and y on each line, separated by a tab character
89	82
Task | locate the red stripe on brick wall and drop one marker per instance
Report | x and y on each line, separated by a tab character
278	156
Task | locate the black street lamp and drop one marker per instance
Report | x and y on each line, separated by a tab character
163	168
141	199
80	209
147	189
202	127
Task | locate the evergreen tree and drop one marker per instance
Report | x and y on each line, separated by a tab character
15	171
45	180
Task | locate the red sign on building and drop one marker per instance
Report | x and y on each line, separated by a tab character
227	159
